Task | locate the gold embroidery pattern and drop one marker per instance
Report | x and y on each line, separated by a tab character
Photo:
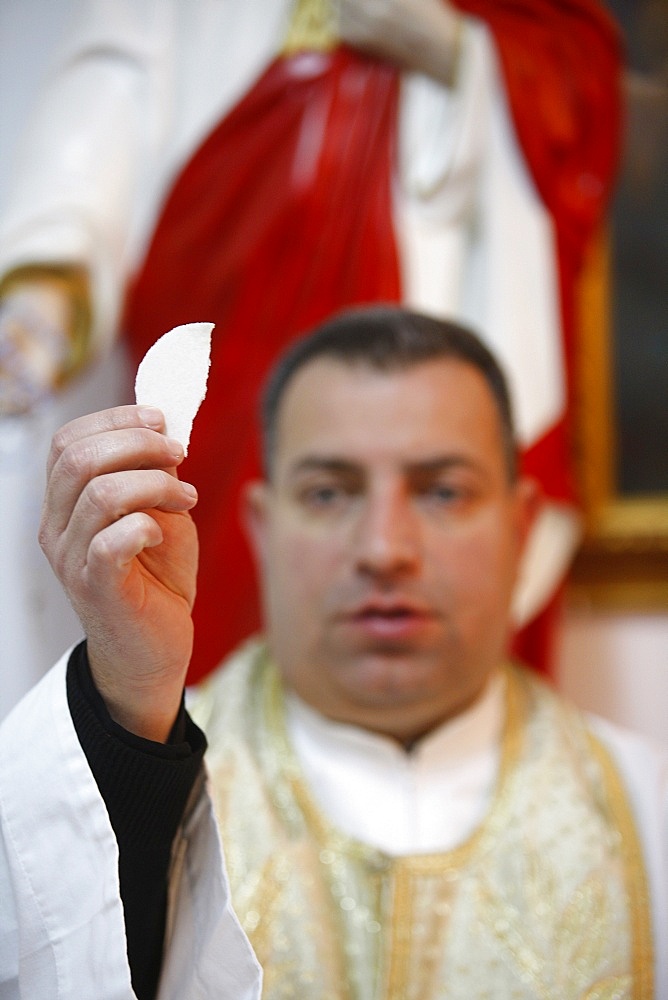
539	904
636	876
312	27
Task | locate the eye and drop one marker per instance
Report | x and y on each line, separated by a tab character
443	495
443	492
322	496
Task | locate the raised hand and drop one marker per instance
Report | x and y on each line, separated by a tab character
116	529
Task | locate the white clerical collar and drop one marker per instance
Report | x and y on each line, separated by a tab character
427	800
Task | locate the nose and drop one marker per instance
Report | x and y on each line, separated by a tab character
387	536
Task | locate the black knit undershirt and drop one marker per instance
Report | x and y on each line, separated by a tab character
145	787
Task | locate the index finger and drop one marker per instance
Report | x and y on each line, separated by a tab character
100	444
115	418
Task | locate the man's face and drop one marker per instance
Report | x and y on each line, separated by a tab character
388	542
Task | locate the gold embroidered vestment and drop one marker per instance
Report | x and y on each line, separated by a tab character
546	901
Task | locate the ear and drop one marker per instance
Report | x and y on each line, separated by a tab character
529	502
254	514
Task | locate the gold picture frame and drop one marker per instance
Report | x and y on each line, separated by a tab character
622	563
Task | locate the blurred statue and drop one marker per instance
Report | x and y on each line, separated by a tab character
259	165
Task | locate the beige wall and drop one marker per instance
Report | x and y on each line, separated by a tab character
617	666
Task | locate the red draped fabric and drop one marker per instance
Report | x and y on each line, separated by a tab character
284	215
561	64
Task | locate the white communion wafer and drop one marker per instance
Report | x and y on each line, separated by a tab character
173	374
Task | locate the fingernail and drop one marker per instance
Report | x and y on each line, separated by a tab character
189	490
151	417
175	448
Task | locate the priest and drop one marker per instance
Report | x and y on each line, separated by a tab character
405	812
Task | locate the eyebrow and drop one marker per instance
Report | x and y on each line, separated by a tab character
342	466
318	463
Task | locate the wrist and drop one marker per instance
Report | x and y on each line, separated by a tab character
146	707
438	53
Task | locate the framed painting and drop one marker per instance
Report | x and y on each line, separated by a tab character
621	393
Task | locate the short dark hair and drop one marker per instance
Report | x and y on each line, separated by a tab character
386	338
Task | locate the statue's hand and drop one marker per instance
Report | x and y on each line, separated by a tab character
417	35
